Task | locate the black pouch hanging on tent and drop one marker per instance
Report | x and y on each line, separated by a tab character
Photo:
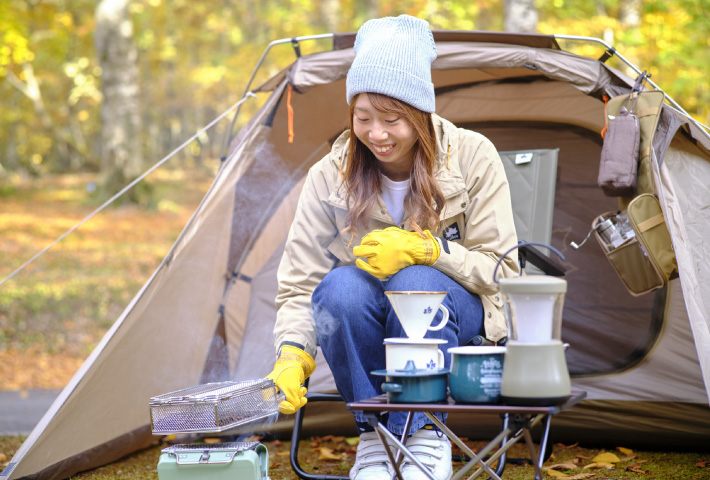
618	167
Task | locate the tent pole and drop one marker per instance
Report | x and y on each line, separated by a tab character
704	128
228	134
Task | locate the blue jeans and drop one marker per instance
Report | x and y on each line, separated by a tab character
353	317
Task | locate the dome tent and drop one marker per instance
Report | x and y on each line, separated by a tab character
206	313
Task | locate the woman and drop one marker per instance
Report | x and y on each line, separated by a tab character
404	201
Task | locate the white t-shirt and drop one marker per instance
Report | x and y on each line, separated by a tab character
393	194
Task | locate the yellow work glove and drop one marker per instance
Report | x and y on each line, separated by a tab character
292	368
390	250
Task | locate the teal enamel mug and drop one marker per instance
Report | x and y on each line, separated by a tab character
476	373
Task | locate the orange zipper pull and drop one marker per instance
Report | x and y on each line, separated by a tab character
289	108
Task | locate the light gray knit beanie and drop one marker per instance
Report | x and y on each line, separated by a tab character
393	57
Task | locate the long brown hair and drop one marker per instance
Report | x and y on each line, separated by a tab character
362	171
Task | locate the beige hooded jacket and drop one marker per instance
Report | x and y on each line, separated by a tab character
476	229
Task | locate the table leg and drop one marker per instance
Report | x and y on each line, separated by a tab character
539	459
475	459
384	434
403	439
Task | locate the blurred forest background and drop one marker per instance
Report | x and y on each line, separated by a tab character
95	93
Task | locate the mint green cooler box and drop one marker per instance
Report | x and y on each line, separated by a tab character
217	461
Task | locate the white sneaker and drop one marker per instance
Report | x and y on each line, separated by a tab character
433	449
371	461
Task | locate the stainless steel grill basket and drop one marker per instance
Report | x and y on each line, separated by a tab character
214	407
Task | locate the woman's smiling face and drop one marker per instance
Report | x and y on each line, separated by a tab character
389	136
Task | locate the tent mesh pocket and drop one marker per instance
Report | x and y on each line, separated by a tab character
214	407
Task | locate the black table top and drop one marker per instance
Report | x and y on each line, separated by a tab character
381	404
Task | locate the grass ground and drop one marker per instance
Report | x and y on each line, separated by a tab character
334	455
53	313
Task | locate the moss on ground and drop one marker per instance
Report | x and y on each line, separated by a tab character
334	455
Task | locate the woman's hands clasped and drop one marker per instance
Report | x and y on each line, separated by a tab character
392	249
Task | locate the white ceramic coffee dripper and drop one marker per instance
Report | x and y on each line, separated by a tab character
416	311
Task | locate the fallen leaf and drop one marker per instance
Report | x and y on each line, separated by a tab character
636	469
567	466
629	458
275	443
702	463
283	454
599	466
581	476
212	440
562	445
327	454
352	441
555	473
606	457
625	451
3	458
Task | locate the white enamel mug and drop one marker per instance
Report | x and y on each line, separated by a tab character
424	353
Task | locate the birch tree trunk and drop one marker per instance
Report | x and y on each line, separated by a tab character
630	19
121	158
630	13
520	16
330	10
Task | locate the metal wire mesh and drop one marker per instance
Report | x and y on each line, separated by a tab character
231	446
214	407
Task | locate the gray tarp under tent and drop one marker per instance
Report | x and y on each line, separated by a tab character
208	310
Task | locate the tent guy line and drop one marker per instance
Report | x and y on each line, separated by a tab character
127	187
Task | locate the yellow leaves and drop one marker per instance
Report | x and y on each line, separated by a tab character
327	454
64	19
606	457
35	369
567	466
625	451
235	35
339	447
602	461
206	75
599	466
352	441
555	473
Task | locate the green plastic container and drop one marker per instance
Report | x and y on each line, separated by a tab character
218	461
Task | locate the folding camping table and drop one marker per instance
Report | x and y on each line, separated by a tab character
521	420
